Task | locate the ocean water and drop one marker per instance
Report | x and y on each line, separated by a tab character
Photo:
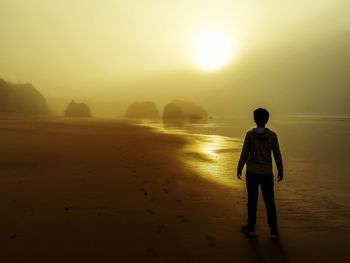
316	156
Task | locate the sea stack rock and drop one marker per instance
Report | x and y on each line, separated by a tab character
22	98
142	110
78	110
184	111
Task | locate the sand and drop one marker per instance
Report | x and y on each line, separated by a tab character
112	191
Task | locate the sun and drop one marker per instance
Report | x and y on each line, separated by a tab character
213	51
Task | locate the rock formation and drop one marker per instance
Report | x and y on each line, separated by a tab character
22	98
80	110
184	111
142	110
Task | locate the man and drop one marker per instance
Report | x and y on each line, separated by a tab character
258	145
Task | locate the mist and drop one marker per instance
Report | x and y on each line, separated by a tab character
156	130
289	57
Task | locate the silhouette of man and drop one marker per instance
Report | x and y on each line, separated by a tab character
258	145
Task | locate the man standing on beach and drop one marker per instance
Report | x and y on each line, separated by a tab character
258	145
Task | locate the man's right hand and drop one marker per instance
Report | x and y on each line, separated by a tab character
239	175
279	177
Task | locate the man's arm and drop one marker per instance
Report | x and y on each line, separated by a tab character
278	158
244	156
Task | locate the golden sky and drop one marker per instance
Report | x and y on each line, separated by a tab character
73	46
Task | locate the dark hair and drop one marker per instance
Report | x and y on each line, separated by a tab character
261	116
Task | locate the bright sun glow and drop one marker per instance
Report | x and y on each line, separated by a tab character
213	51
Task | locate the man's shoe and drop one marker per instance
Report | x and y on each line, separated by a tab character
274	234
247	231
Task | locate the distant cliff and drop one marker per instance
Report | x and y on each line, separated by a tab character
184	111
142	110
22	98
79	110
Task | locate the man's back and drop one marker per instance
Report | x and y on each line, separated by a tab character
256	152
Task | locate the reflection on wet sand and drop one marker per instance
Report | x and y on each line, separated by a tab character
218	154
212	156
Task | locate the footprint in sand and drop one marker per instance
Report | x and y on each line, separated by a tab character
165	190
13	236
179	202
152	251
156	174
160	228
211	241
153	199
150	211
181	218
167	181
135	174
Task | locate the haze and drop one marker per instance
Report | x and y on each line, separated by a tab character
289	56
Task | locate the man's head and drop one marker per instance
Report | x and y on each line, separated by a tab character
261	117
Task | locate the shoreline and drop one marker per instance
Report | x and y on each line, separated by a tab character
95	191
207	154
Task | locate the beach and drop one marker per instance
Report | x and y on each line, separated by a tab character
114	191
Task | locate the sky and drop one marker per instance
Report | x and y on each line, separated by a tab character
289	56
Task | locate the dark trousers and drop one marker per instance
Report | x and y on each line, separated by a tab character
266	183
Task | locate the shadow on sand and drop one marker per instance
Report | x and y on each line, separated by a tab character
267	250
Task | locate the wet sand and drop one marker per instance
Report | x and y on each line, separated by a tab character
108	191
